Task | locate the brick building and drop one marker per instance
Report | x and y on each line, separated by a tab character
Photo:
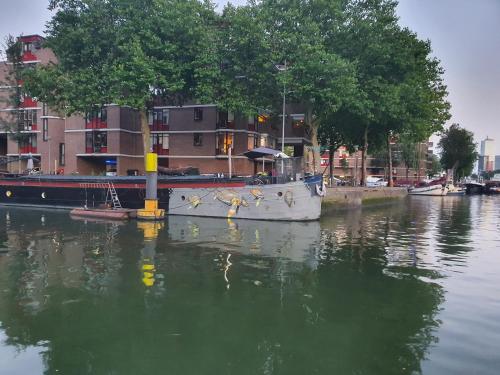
109	139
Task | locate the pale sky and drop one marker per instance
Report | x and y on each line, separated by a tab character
465	36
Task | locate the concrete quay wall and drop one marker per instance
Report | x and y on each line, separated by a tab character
338	198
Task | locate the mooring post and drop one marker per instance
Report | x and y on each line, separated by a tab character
151	210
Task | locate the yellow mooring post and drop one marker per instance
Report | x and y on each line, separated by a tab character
151	210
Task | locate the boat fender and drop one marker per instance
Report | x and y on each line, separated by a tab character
321	191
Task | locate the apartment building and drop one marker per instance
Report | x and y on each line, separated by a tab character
108	139
40	130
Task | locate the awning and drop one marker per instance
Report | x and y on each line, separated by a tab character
264	151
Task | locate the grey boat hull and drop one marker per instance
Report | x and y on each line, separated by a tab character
295	201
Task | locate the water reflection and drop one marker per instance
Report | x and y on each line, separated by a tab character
357	293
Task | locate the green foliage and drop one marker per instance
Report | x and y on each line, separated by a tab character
458	150
9	121
125	52
435	166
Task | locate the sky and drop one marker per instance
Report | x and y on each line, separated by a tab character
465	36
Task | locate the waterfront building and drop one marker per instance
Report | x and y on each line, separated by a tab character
486	162
108	140
347	166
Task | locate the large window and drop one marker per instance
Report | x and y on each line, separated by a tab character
158	118
160	143
27	120
96	118
96	142
28	144
225	141
253	141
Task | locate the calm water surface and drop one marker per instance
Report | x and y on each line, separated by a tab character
407	289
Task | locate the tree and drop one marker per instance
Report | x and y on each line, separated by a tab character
435	166
128	53
10	121
400	85
458	150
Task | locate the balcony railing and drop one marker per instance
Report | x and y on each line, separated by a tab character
158	126
28	56
96	123
29	103
225	125
159	150
28	128
28	149
96	149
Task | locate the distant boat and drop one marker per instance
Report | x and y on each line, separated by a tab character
455	190
433	188
474	187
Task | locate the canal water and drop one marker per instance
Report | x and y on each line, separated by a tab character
406	289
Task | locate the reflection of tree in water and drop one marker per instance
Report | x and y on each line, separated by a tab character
454	225
383	314
351	313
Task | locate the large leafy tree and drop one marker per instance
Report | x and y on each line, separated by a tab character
12	98
285	32
128	53
458	150
400	85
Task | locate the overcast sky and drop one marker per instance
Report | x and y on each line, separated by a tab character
465	36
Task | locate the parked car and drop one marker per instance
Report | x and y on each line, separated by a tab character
375	182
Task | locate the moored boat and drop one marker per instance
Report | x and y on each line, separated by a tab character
432	188
181	195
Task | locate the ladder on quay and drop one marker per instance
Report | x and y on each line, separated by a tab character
113	196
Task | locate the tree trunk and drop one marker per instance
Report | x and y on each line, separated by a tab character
146	136
330	163
389	156
314	140
364	151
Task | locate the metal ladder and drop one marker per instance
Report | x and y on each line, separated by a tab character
114	196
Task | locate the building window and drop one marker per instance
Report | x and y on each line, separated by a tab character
45	129
28	144
96	142
224	141
27	120
96	118
253	141
62	154
158	117
198	114
27	46
198	139
160	143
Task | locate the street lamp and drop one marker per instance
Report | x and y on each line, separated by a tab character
48	140
282	68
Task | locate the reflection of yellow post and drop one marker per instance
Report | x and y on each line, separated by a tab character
151	210
150	230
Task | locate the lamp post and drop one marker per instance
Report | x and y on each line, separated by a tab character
48	140
282	68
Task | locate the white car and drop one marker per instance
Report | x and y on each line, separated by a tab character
375	182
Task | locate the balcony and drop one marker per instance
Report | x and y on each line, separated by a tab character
96	149
28	149
225	125
159	150
28	56
28	128
96	123
29	103
158	126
